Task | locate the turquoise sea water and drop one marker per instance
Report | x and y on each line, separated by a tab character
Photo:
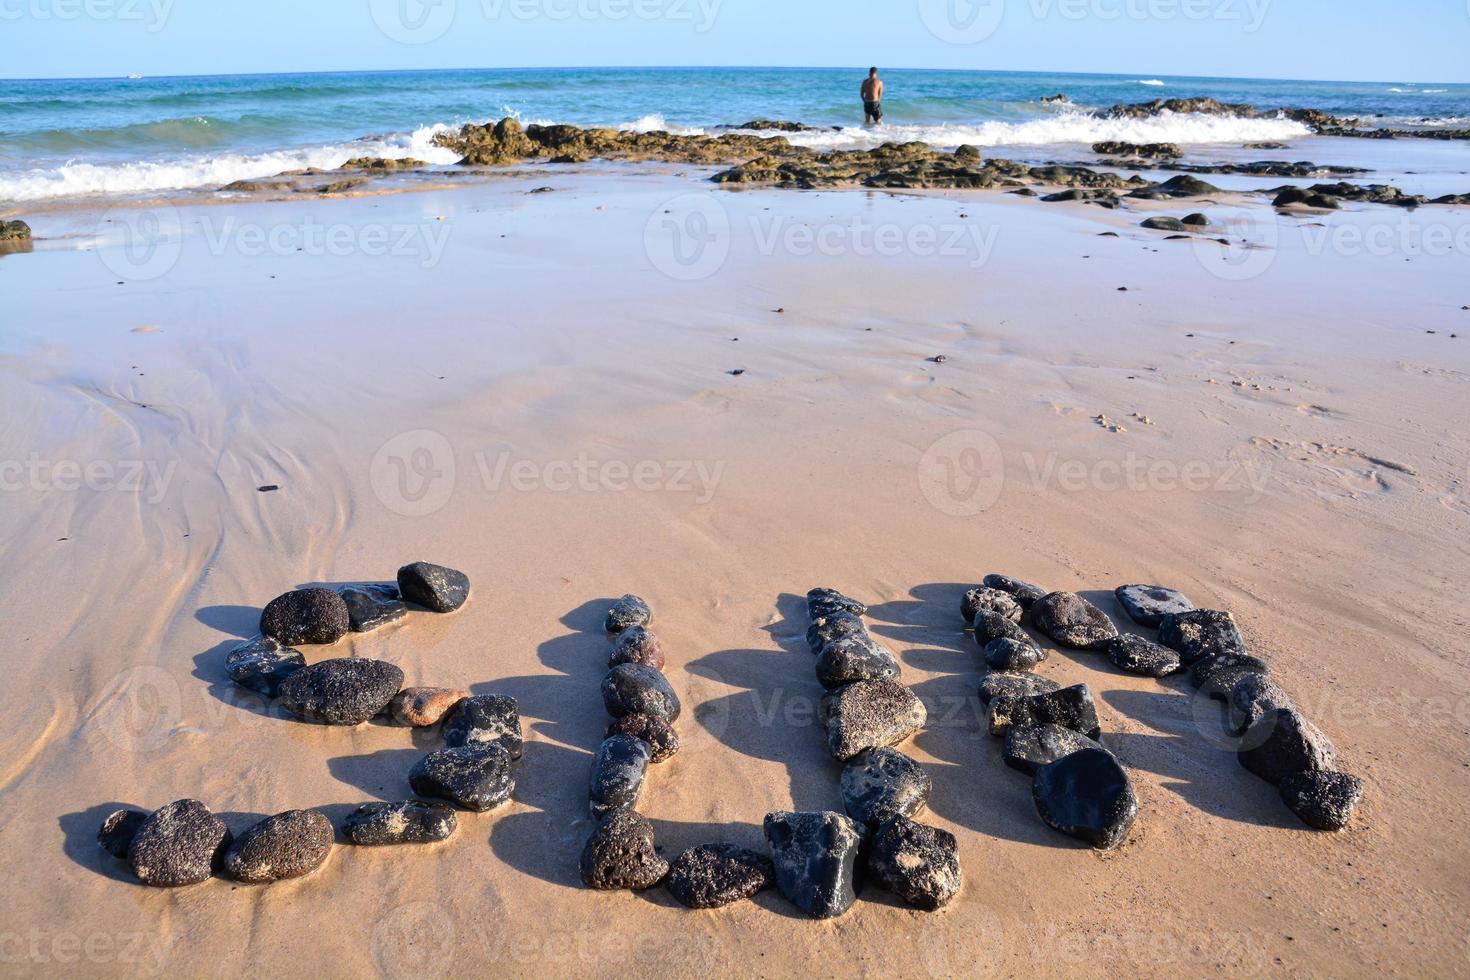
62	138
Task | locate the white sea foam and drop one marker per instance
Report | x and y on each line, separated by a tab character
654	122
1150	81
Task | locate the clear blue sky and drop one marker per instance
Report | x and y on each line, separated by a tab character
1377	40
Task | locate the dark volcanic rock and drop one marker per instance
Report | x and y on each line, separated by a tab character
919	864
663	741
617	773
1324	800
815	855
827	629
287	845
633	689
118	830
637	645
434	587
476	777
855	658
1012	655
485	718
881	784
993	626
827	602
1163	223
306	616
1147	605
1252	698
346	691
1136	655
1030	747
627	612
1086	794
1195	220
1070	707
1186	186
1201	633
371	607
621	855
872	715
1283	743
1149	150
1001	684
179	844
1073	621
1219	675
991	600
421	707
1291	196
409	822
712	876
1026	593
261	664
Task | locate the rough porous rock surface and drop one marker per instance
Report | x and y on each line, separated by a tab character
1088	795
305	616
261	664
627	612
829	629
1201	633
633	689
1252	698
1070	707
918	863
371	607
991	600
434	587
287	845
1001	684
476	777
1283	743
1030	747
179	844
881	784
1073	621
421	707
1026	593
1012	655
14	231
618	769
815	855
872	715
663	741
406	822
993	626
855	658
485	718
1324	800
118	830
1136	655
1219	675
1147	605
621	854
637	645
346	691
712	876
827	602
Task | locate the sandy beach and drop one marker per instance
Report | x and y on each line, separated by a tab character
541	389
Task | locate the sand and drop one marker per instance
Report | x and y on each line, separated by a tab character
535	402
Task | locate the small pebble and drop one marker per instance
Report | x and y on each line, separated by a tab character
420	707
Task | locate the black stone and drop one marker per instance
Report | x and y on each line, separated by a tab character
1146	658
991	600
828	629
617	773
663	741
633	689
1026	593
1088	795
871	715
993	626
1252	698
855	658
919	864
485	718
712	876
627	612
1070	707
1324	800
261	664
1000	684
1283	743
408	822
179	844
881	784
621	854
118	831
1196	219
825	602
434	587
1073	621
815	855
476	777
1147	605
287	845
637	645
1012	655
346	691
306	616
1030	747
371	607
1201	633
1164	223
1218	675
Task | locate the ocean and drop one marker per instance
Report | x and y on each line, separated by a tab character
73	138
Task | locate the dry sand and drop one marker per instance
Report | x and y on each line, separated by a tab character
1323	499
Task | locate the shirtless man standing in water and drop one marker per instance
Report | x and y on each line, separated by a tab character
872	98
